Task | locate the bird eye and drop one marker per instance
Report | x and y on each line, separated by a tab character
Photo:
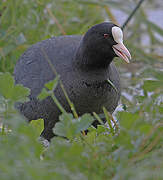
106	35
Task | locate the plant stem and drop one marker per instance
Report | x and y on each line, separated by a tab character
131	15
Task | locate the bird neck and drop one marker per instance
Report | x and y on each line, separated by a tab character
90	59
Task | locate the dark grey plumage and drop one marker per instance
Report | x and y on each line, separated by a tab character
84	64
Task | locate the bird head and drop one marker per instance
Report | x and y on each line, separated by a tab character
105	41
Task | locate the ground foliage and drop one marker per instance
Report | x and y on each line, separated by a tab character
133	149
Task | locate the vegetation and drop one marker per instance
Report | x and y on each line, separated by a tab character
133	149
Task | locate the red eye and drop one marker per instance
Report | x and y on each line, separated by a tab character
106	35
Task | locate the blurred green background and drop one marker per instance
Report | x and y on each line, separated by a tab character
137	151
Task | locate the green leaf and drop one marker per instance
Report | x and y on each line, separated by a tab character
145	128
69	127
11	91
6	85
65	126
84	122
101	129
44	93
127	119
152	85
124	139
92	129
108	120
20	93
159	75
38	126
51	85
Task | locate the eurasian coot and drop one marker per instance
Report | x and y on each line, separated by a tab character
84	64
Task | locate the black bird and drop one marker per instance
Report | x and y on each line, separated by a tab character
84	64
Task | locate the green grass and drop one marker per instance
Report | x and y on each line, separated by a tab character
131	150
